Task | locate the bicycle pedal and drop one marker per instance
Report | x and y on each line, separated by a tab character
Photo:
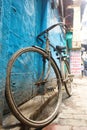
50	89
70	75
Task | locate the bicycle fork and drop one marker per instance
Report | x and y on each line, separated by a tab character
66	77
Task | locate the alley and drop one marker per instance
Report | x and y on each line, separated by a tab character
72	115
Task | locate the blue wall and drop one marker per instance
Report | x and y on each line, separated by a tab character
20	22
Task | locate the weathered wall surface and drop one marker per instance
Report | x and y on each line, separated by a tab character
20	22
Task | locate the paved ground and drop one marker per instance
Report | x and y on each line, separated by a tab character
73	115
73	112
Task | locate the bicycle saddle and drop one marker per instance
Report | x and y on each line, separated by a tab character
60	48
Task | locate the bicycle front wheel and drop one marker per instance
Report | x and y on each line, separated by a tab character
33	99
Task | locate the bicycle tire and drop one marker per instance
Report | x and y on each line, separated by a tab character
10	97
68	83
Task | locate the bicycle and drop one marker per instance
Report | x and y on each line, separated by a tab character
41	86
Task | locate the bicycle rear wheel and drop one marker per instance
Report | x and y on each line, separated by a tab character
67	77
33	99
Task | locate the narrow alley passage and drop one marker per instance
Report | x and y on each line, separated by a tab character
72	115
73	112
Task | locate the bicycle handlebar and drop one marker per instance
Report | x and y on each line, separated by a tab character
51	27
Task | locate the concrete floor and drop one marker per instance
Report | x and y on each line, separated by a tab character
73	111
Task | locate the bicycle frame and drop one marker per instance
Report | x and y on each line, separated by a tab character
48	45
59	50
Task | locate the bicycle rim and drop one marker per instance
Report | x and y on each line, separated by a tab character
33	102
68	79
